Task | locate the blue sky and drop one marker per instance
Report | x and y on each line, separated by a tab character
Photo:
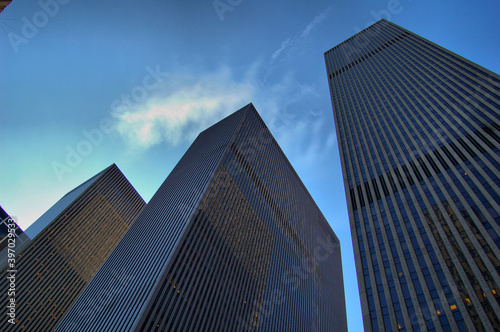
87	84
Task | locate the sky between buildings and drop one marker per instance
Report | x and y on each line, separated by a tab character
87	84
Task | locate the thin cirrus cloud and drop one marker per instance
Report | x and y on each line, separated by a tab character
290	45
189	104
182	108
316	21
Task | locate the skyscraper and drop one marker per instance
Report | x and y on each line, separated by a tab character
48	275
232	240
418	132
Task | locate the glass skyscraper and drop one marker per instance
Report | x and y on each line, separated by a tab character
231	241
418	131
73	238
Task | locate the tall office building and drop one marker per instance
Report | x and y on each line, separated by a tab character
418	132
231	241
67	251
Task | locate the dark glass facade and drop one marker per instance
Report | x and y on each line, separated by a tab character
231	241
418	132
60	261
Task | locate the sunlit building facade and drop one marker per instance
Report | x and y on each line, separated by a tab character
231	241
418	132
65	254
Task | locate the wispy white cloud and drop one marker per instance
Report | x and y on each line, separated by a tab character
317	20
283	46
183	107
291	44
